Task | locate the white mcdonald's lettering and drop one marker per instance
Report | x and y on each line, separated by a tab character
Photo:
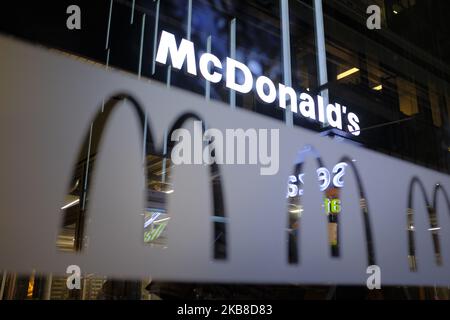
211	69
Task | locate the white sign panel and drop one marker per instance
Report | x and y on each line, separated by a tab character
48	102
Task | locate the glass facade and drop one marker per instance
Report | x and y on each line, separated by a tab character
397	79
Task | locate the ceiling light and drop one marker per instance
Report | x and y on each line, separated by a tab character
378	87
70	204
347	73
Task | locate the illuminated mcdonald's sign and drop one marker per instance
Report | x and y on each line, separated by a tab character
211	69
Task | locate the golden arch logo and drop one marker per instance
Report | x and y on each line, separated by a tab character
92	143
432	219
295	209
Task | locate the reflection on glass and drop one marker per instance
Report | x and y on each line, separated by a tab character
156	217
68	239
330	183
331	208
